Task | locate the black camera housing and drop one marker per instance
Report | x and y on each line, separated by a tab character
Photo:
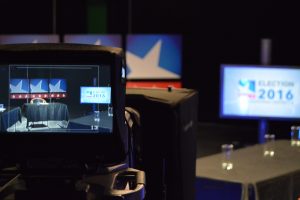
108	149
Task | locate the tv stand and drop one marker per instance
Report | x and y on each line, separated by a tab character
263	128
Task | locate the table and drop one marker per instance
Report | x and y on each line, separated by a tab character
46	112
253	176
9	118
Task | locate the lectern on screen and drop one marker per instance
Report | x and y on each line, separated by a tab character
260	92
64	98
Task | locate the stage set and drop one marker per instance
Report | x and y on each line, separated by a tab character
55	98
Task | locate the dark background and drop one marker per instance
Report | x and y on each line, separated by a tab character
214	32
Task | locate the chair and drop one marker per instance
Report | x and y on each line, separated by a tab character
38	100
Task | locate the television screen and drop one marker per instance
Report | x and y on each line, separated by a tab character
19	86
153	56
110	40
46	107
251	91
42	126
92	95
57	85
18	39
39	86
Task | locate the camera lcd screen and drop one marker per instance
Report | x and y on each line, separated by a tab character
56	98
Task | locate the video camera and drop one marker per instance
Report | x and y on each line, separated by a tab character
63	111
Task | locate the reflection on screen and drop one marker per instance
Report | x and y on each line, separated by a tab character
58	99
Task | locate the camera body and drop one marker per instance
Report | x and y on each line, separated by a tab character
76	81
62	122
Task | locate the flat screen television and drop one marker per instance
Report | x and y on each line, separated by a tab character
39	85
62	126
91	95
19	86
260	92
57	85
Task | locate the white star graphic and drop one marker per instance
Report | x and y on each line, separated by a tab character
17	88
37	87
98	42
56	87
148	67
